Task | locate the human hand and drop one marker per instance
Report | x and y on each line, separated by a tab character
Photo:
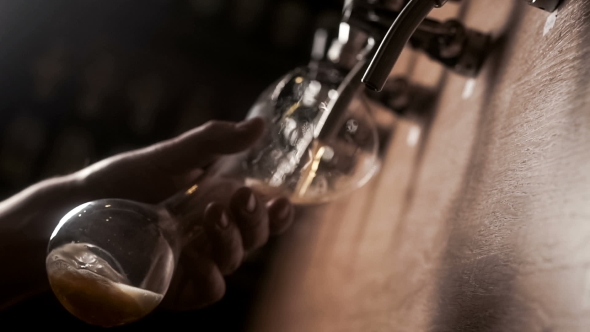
236	219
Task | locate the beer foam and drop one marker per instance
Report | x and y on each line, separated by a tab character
98	299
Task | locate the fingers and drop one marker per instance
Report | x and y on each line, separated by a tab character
199	147
280	215
231	228
227	251
251	217
158	171
197	283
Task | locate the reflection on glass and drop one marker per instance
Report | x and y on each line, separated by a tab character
110	262
293	158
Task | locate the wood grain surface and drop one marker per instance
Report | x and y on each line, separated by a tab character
483	224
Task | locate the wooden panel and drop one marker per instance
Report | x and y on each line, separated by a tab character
484	223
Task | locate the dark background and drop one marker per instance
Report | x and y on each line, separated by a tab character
83	80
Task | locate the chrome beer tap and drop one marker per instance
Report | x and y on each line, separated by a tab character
456	47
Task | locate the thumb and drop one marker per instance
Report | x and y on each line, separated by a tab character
200	146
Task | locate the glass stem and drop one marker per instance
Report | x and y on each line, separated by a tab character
178	210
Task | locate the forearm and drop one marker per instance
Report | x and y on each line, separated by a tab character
26	222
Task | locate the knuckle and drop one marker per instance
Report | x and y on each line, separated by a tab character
230	267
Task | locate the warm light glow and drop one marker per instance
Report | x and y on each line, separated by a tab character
312	171
192	189
292	109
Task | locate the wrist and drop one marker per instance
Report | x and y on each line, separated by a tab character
26	222
35	211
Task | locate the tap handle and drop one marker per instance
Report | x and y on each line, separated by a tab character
394	41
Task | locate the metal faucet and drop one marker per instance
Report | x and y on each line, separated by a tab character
394	24
457	48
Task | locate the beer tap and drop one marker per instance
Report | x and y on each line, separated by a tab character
458	48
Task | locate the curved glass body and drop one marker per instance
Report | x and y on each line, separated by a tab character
293	158
110	261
